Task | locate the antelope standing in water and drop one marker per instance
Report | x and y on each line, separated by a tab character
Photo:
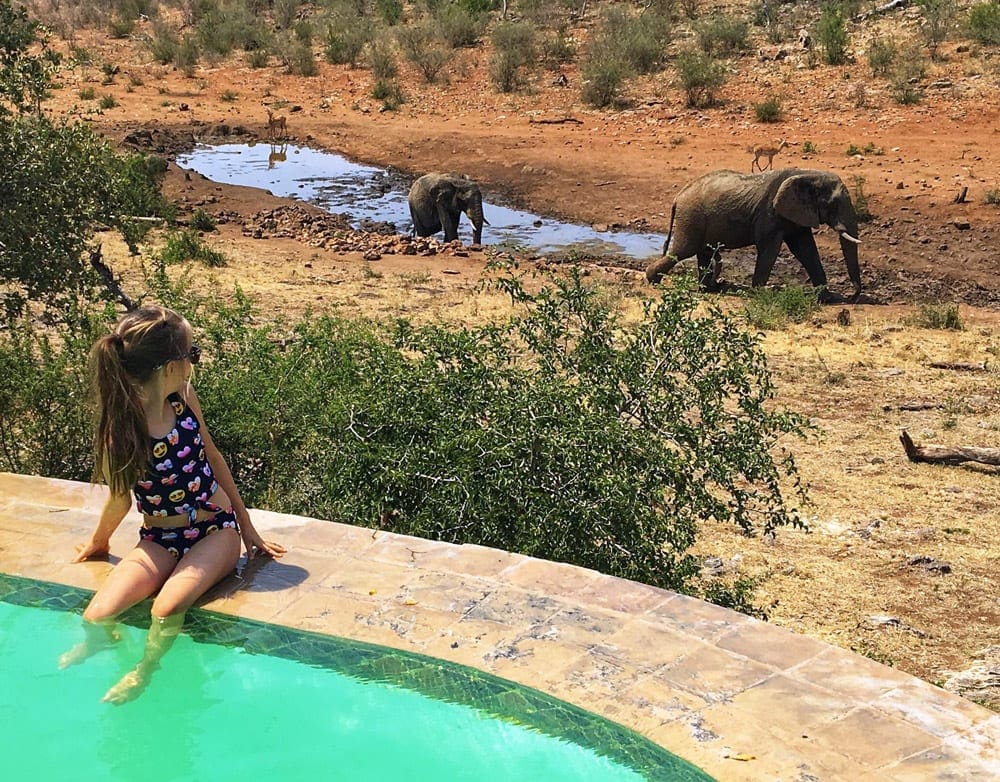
275	123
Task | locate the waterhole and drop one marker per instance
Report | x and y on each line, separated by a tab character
367	193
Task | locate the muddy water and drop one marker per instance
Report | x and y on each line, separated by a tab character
368	193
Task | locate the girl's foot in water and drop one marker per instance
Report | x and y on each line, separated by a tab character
99	637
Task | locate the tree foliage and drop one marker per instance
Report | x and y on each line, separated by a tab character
60	180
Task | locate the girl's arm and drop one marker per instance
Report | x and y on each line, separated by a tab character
254	543
99	545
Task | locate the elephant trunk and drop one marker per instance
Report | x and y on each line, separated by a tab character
848	232
475	213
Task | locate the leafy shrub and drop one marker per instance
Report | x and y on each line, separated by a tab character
107	102
700	76
382	60
163	43
183	246
257	58
391	11
939	16
831	33
602	80
421	47
983	22
346	39
87	93
861	207
638	41
459	27
881	55
514	48
938	316
390	93
809	148
186	55
768	111
722	34
27	63
774	308
558	48
993	196
202	220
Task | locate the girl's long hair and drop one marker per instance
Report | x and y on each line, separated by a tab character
120	363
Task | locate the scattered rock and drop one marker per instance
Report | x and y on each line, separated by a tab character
880	621
962	225
929	564
981	681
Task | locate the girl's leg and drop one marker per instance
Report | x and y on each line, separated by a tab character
208	561
140	573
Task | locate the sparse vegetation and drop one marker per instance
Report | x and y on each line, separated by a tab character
831	34
768	111
701	77
861	208
983	22
185	246
774	308
936	315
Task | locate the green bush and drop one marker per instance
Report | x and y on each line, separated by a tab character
700	76
163	43
346	39
722	34
390	93
514	48
391	11
638	41
107	102
881	55
202	220
459	27
983	22
27	63
768	111
602	81
566	432
558	48
939	19
775	308
186	55
933	315
382	60
184	246
421	47
831	33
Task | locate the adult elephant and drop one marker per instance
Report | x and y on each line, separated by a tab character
726	209
437	201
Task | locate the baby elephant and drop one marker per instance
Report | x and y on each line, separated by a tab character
726	209
438	200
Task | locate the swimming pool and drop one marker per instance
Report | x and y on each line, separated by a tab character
239	697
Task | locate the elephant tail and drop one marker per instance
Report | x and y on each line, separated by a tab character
670	231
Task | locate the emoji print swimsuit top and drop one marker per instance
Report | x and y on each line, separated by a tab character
179	479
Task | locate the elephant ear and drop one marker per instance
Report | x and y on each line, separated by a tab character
796	200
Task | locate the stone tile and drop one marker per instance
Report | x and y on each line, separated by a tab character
402	550
714	674
943	764
326	537
932	709
777	647
801	706
555	579
619	594
651	646
872	738
849	674
699	618
469	560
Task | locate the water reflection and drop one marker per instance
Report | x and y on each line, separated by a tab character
336	184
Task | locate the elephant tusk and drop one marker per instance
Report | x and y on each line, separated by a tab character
848	237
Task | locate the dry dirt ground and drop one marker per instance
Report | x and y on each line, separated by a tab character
848	580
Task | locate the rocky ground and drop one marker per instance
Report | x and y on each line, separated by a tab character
901	561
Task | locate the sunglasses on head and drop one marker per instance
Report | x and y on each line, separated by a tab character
193	355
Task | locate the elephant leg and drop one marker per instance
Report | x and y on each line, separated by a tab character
803	247
449	222
767	254
709	264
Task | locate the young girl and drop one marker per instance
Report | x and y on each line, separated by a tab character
152	442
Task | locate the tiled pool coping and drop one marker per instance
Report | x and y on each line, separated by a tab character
741	699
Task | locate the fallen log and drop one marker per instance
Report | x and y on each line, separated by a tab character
944	454
961	366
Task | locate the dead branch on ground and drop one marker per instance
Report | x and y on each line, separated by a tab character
945	454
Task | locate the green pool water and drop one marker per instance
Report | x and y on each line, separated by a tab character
238	699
